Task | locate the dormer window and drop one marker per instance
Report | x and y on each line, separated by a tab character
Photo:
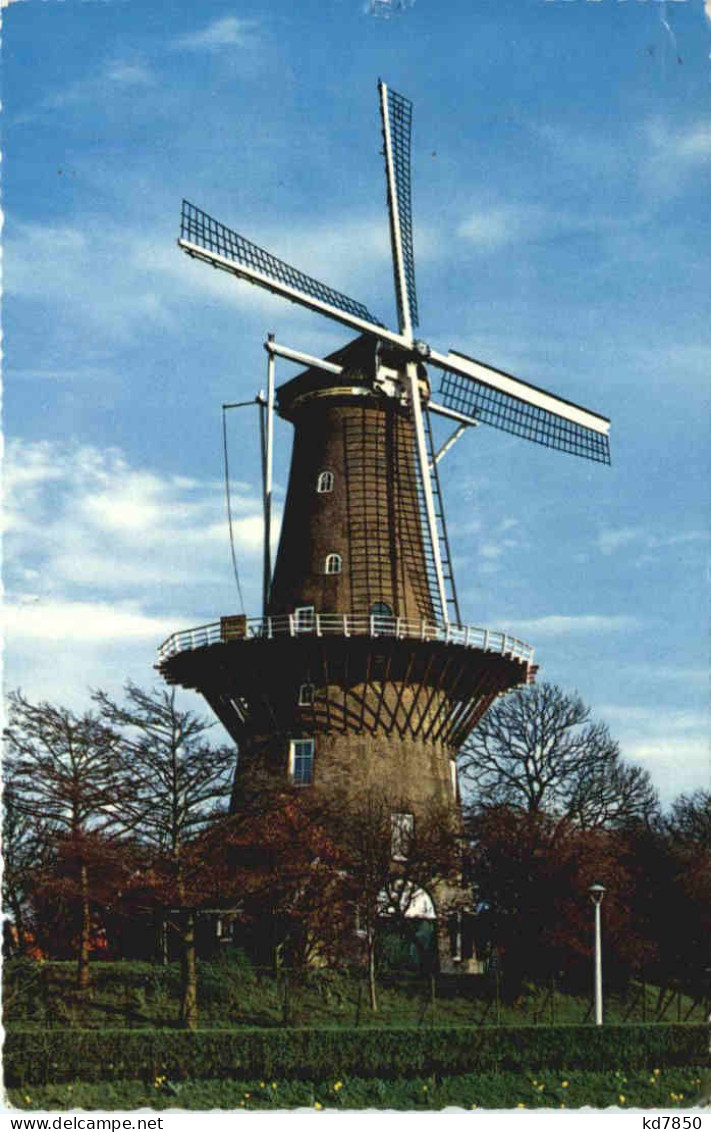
324	483
333	564
306	695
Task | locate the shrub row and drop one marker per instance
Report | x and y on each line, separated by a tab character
38	1057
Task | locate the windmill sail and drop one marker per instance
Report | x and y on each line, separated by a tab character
505	402
396	111
205	238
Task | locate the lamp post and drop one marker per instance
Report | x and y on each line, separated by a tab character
597	891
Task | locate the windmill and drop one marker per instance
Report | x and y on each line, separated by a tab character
359	670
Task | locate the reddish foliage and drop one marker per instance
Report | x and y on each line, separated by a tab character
532	876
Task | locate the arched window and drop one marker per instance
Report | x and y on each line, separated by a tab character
333	564
382	622
324	483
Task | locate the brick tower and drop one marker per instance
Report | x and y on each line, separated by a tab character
349	681
358	674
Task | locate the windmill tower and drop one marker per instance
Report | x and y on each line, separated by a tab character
359	672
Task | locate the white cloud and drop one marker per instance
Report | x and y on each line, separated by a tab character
109	278
88	522
673	721
675	152
128	74
556	625
672	744
613	539
491	227
69	621
659	153
104	560
89	275
103	85
490	550
690	145
228	32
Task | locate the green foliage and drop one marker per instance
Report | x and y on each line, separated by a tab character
668	1088
38	1057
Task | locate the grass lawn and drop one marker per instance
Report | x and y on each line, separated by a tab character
658	1089
135	994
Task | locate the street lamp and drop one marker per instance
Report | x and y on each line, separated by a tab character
597	891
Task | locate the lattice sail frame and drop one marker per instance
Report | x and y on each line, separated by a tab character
400	115
197	227
501	410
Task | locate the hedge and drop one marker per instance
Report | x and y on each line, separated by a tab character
41	1056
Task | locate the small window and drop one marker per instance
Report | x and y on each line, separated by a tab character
306	695
324	483
453	775
304	618
380	609
301	761
382	622
333	564
402	828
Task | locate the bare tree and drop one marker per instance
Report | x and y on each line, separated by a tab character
182	781
27	849
181	784
65	774
689	822
538	751
391	856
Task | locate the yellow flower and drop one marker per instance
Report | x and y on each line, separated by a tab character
520	1105
564	1084
274	1084
622	1099
424	1088
28	1100
318	1106
262	1085
474	1106
656	1072
247	1095
337	1086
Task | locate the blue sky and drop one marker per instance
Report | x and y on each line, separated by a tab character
561	157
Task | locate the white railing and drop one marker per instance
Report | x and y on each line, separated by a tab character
342	625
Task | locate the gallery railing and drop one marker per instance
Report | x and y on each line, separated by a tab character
308	623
